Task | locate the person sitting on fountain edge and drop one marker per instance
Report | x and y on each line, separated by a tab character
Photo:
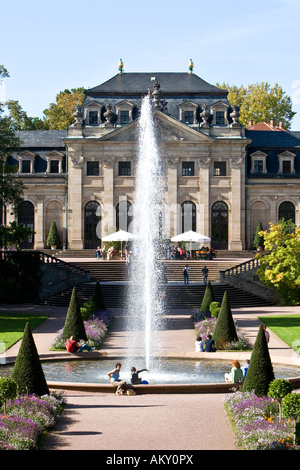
210	344
135	379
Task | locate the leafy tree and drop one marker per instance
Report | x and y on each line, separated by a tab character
291	408
280	266
261	102
27	371
53	235
8	390
20	121
59	115
11	188
260	373
278	389
225	331
74	325
14	235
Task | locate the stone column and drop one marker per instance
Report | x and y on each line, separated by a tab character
172	220
108	220
236	227
203	218
76	236
40	236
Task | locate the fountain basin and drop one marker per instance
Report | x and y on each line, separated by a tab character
169	376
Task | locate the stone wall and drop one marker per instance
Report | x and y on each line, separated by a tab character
55	278
249	281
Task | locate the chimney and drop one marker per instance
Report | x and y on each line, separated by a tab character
280	125
272	122
250	123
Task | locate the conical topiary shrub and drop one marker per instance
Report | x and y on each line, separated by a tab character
53	239
74	325
98	298
260	373
27	371
208	298
225	331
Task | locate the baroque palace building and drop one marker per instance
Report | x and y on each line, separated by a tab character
221	179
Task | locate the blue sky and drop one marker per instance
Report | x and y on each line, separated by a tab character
65	44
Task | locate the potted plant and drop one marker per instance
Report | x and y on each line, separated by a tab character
53	237
258	241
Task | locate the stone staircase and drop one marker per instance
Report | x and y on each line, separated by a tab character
177	296
113	275
116	270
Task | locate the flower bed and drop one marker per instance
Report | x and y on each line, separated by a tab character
96	329
206	326
256	422
26	420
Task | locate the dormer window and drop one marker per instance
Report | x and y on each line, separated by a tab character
26	162
93	113
124	111
54	162
286	163
188	112
220	112
258	162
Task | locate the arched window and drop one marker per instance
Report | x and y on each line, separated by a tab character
26	217
219	226
188	216
92	220
124	216
286	211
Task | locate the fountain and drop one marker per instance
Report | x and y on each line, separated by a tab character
145	297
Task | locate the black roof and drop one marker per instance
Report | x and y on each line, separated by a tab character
170	83
42	138
277	139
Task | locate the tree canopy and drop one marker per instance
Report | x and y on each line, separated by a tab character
59	115
11	188
260	102
280	266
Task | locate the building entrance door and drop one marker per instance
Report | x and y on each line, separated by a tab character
219	226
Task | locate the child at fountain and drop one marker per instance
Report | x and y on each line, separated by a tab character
114	379
135	379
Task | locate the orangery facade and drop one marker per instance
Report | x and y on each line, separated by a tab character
221	178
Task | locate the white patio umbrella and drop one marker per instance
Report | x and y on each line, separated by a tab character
190	236
119	236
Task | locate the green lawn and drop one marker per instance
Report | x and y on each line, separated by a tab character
12	327
287	327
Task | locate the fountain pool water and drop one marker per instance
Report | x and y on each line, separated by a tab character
169	371
144	306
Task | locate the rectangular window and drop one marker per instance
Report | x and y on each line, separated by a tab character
188	169
93	118
219	168
189	117
25	166
286	167
258	166
92	168
124	168
54	166
220	120
124	117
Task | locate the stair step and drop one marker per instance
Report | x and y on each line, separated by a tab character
176	296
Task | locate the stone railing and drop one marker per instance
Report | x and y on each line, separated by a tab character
68	267
249	265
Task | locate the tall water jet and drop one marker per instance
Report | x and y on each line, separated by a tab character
145	299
